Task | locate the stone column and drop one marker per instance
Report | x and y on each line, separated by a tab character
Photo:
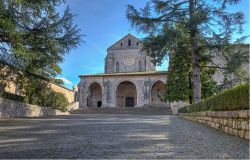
146	91
140	93
82	94
85	96
108	95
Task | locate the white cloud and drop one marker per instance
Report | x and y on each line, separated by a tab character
66	81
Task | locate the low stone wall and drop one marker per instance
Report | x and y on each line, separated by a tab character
232	122
73	106
13	109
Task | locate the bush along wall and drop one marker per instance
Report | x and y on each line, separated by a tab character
236	98
227	111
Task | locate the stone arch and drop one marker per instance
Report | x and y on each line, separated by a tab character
126	94
94	95
157	91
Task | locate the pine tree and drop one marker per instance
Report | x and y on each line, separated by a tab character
209	27
179	83
34	37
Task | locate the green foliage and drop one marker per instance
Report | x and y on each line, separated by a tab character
58	81
236	98
58	101
209	87
179	83
208	25
10	96
34	37
39	93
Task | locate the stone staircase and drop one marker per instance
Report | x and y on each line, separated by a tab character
125	110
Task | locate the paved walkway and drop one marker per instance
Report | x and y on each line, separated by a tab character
116	136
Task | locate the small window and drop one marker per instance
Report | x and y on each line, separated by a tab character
121	44
158	93
117	67
137	43
129	42
140	66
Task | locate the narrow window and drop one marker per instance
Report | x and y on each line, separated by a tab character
121	44
158	93
117	67
140	66
137	43
129	42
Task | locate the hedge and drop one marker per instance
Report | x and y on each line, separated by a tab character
11	96
236	98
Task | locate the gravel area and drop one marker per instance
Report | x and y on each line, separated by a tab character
111	136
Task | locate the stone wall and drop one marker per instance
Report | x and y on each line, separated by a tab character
69	94
232	122
123	57
73	106
12	109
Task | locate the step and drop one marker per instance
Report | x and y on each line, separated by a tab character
125	110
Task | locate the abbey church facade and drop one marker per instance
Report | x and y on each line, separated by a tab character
130	79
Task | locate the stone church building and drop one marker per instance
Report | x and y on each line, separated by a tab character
130	79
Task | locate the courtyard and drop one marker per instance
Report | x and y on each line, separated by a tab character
109	136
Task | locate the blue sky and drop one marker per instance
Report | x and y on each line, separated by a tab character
104	22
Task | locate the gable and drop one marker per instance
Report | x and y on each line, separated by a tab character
129	41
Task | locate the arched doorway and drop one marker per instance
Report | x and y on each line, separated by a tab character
157	93
95	95
126	95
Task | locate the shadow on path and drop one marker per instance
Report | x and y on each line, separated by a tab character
116	136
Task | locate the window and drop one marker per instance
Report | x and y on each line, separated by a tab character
158	93
121	44
117	67
140	66
137	43
129	42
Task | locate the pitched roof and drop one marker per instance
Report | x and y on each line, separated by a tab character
128	35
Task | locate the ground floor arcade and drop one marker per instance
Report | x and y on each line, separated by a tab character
122	89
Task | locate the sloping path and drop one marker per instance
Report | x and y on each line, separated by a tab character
116	136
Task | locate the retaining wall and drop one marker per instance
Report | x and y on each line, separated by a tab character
13	109
232	122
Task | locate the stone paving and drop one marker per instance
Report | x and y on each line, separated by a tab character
116	136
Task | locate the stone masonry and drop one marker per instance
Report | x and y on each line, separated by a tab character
130	79
12	109
232	122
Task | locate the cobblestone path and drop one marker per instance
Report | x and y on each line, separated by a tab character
116	136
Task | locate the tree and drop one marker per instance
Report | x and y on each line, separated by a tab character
179	83
209	27
34	37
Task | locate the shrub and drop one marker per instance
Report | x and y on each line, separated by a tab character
58	101
39	93
11	96
236	98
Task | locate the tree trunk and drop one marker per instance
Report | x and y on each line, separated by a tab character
190	97
196	79
195	53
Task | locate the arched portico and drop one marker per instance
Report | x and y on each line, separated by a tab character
157	92
126	94
94	95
